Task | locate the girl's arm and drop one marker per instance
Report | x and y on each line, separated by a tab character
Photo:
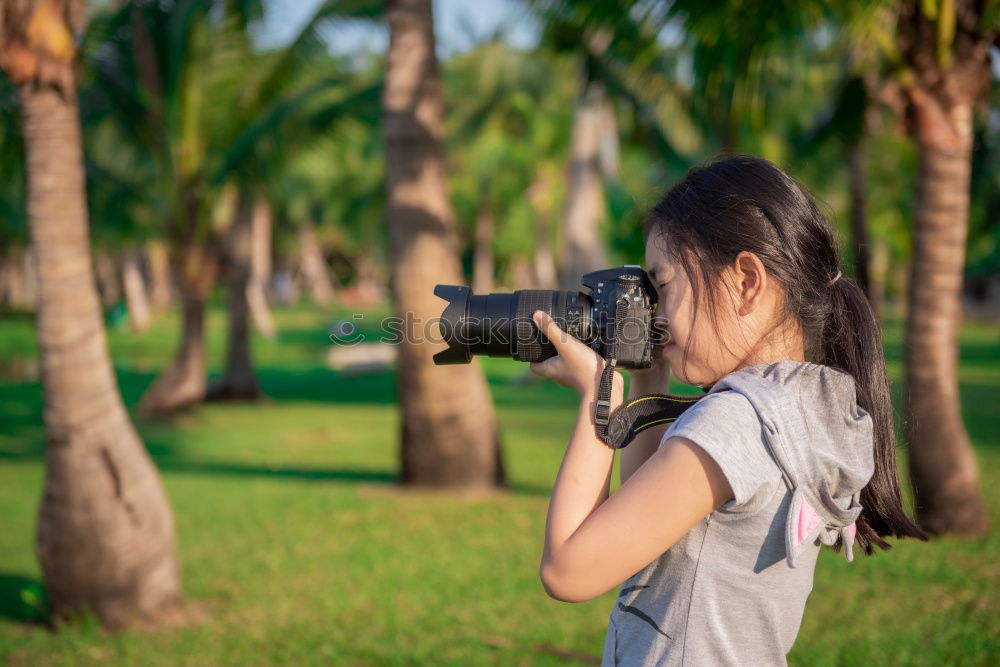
594	542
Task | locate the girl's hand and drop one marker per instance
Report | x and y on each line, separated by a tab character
576	367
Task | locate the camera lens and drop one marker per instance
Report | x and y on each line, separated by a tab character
500	324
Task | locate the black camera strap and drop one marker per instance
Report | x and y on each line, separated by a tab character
603	408
641	413
617	430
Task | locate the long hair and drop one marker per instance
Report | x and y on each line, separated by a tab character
745	203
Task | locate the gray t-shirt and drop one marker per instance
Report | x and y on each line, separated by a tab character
797	450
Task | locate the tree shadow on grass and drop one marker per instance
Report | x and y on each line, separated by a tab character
322	385
314	384
342	475
20	415
232	468
167	461
22	435
22	599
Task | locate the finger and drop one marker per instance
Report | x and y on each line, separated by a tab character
548	326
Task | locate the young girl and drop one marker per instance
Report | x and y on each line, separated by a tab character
718	521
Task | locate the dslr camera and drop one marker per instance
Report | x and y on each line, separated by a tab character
614	319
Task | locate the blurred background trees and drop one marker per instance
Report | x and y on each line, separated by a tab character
223	171
182	89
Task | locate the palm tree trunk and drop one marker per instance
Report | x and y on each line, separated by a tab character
314	268
520	274
608	137
108	277
161	290
183	383
482	262
582	249
449	430
545	264
942	463
541	198
365	289
105	529
136	297
879	275
260	268
238	381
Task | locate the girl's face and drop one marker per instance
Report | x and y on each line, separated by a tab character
709	344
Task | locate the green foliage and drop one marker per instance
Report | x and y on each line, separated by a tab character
179	101
508	128
337	183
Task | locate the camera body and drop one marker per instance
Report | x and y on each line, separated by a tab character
614	319
623	302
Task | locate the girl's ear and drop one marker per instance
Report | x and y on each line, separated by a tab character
750	282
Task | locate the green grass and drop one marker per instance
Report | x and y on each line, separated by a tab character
297	544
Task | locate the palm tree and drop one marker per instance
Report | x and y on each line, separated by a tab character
449	430
178	85
315	271
946	48
239	381
260	191
105	529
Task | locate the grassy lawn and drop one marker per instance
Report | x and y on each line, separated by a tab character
298	546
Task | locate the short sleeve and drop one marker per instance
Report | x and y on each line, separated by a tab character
726	426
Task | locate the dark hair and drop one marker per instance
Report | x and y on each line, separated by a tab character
745	203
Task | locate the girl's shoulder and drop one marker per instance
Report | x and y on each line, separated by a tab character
726	426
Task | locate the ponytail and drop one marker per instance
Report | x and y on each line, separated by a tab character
851	342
